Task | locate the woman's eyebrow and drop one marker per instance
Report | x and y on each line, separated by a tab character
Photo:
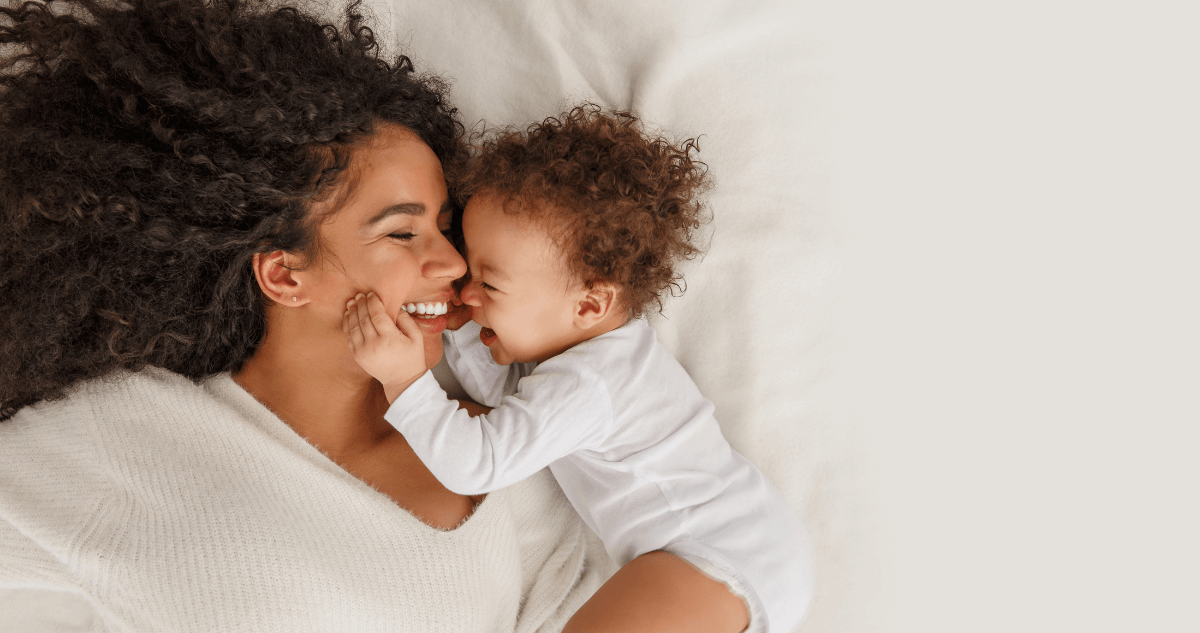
404	208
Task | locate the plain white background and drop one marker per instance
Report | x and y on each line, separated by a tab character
1021	181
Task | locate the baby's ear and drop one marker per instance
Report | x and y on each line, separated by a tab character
599	302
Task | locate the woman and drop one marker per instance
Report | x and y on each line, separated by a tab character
193	191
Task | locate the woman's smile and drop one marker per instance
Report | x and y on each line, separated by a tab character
425	310
433	321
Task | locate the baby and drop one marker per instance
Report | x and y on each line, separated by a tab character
573	231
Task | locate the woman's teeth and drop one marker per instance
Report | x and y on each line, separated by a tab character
426	309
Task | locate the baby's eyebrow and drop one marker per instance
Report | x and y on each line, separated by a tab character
492	271
404	208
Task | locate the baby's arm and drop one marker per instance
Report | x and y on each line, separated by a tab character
658	591
552	415
392	352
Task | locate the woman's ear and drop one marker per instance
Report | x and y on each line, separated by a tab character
599	303
277	278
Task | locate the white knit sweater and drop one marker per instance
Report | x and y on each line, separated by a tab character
166	506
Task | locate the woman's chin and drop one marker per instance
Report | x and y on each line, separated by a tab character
433	349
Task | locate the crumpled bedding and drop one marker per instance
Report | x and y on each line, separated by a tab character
757	326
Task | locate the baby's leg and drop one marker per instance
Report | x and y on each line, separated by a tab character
659	592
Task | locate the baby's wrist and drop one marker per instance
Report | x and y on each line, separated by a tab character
392	390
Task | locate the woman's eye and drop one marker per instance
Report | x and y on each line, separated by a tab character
402	236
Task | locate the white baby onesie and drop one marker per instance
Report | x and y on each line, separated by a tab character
636	449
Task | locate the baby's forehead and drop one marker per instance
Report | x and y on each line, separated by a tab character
520	236
511	214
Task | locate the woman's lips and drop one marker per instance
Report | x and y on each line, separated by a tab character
487	335
431	325
429	315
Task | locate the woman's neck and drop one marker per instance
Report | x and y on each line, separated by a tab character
320	393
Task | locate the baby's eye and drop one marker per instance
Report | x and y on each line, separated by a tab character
486	286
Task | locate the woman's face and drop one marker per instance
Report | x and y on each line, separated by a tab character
388	237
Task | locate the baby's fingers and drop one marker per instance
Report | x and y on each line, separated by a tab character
354	333
379	319
362	316
408	326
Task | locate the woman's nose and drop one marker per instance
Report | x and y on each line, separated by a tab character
444	260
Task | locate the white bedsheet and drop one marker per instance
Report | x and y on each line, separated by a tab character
1013	186
756	328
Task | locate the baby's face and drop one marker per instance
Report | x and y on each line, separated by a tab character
520	290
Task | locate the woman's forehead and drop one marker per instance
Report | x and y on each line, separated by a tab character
395	174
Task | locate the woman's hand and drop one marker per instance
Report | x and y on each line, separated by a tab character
393	353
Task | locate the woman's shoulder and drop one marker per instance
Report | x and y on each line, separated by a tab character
68	422
121	388
57	457
69	447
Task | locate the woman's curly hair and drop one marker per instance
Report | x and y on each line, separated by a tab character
624	206
148	149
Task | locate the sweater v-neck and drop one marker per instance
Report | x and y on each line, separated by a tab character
226	389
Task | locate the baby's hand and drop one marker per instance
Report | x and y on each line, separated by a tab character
395	356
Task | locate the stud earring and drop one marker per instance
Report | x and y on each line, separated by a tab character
294	299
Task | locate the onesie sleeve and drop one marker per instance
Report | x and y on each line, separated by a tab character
484	380
555	412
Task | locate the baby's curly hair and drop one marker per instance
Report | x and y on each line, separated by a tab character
149	149
624	205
